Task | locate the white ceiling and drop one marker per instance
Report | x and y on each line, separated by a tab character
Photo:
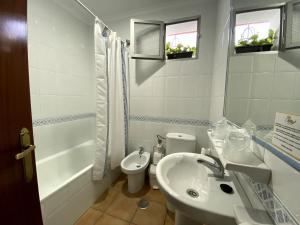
117	9
112	10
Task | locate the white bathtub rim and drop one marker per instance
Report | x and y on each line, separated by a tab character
51	157
46	194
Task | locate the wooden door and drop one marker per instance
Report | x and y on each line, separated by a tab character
19	199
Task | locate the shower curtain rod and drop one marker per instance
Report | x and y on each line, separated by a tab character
94	15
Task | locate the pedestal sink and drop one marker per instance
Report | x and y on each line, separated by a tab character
195	192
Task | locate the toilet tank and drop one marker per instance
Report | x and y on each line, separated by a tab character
179	142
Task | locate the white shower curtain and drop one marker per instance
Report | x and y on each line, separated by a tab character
117	117
101	101
111	61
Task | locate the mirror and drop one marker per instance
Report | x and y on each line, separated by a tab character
259	84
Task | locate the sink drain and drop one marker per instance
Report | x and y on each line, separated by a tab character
193	193
143	204
138	166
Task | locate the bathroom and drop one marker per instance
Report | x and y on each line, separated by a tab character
150	112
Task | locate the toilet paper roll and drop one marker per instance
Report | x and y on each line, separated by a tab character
156	157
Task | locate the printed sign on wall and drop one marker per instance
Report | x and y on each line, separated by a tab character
287	134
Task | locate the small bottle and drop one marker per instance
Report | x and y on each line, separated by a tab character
158	151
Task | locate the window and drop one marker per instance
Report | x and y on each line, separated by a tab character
159	40
257	30
182	39
292	24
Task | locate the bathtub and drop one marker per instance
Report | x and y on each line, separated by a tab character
65	186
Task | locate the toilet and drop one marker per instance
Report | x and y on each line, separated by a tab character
134	165
180	142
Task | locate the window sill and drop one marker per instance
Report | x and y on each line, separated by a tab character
257	53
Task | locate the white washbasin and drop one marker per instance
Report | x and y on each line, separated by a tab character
179	172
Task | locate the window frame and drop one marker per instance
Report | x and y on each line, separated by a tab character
161	55
162	38
183	20
287	43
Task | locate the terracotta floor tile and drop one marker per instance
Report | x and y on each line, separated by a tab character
156	195
105	200
123	207
154	215
109	220
170	219
89	218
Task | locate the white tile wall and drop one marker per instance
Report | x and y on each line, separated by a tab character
237	110
174	88
241	64
144	133
239	85
51	139
264	63
61	77
262	84
266	83
283	85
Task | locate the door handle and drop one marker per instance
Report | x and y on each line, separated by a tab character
25	154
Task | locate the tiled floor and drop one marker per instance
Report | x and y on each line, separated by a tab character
118	207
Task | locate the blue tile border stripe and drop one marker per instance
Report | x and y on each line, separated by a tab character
287	159
258	127
264	127
61	119
274	207
180	121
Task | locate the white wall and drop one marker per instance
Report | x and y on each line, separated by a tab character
220	60
61	76
172	89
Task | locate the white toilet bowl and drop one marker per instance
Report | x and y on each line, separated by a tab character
134	166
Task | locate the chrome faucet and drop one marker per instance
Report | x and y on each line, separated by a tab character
217	167
141	150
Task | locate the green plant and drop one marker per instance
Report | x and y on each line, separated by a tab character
254	40
270	39
179	49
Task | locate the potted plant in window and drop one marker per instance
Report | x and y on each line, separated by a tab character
256	45
179	51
